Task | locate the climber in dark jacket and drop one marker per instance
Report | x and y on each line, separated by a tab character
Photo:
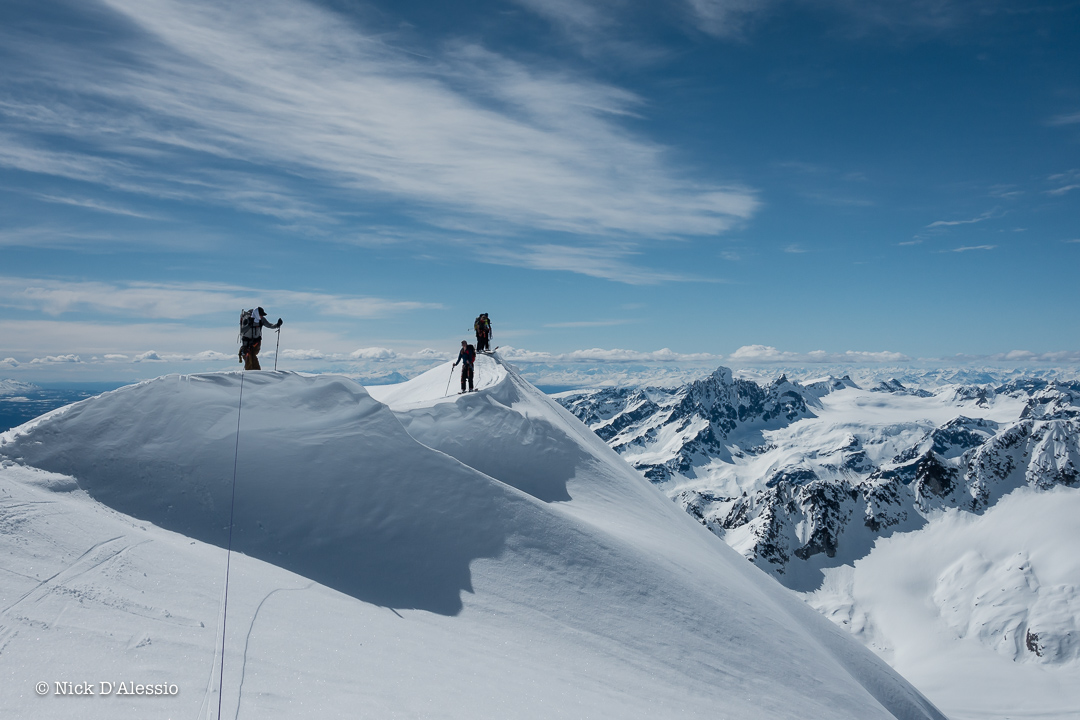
467	358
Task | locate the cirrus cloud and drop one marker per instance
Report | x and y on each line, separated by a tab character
177	301
262	93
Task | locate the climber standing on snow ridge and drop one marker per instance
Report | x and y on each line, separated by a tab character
251	336
467	357
482	326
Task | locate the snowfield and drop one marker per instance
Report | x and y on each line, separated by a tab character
981	612
396	554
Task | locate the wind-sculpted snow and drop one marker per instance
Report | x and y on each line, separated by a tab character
488	430
547	579
326	480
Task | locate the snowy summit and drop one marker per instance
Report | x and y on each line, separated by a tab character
396	553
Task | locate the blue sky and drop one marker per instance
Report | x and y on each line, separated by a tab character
726	179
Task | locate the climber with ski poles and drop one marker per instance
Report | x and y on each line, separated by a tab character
251	336
467	358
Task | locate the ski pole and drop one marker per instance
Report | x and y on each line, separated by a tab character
448	381
276	348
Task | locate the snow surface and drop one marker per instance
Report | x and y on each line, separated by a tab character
964	607
378	573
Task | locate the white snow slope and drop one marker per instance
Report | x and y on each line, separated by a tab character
981	612
536	575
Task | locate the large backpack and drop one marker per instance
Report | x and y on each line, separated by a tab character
482	325
250	328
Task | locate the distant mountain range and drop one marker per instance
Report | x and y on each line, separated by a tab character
14	387
805	476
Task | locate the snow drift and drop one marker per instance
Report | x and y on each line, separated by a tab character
491	557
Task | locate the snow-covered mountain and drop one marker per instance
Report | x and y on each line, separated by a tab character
15	387
398	554
828	477
667	433
802	477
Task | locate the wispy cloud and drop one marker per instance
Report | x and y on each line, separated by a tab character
951	223
731	19
726	18
281	89
608	263
1005	192
912	17
969	248
97	205
1066	182
181	301
825	185
606	24
837	199
49	235
588	324
575	15
25	339
1066	119
142	175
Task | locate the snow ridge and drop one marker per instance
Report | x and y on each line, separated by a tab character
550	579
